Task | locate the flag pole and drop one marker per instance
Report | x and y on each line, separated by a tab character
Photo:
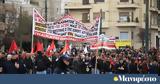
33	27
99	32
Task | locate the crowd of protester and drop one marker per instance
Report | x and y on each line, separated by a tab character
119	61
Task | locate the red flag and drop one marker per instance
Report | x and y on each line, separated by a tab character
13	46
39	46
51	47
66	48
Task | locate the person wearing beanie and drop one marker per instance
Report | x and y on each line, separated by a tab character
9	66
41	63
62	65
13	65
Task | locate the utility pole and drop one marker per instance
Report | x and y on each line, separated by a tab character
20	26
46	11
100	21
147	27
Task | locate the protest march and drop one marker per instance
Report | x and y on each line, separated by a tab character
99	55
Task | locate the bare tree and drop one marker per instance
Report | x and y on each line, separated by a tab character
10	17
25	28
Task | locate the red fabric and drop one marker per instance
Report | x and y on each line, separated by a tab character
13	46
66	48
51	47
112	61
40	46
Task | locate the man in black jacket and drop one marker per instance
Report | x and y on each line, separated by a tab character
41	63
13	65
2	60
61	65
29	64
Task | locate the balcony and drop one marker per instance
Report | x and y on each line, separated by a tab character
132	5
158	11
154	9
127	24
125	21
154	27
73	6
159	29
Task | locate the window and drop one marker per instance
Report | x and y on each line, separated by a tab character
66	11
104	33
85	17
144	17
155	3
85	2
144	1
34	3
151	1
158	20
98	1
158	4
124	17
124	0
124	36
132	35
96	14
154	19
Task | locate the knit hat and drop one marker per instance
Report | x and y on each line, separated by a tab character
9	56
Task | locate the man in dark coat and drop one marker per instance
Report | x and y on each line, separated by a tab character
2	61
108	66
41	63
76	65
101	66
133	67
53	64
10	67
29	64
153	67
13	65
62	65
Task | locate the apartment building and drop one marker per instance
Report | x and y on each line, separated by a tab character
123	19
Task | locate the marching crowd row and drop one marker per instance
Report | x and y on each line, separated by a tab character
120	61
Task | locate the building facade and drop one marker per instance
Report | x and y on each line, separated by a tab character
124	19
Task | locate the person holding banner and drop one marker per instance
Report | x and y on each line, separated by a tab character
62	65
13	65
41	63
